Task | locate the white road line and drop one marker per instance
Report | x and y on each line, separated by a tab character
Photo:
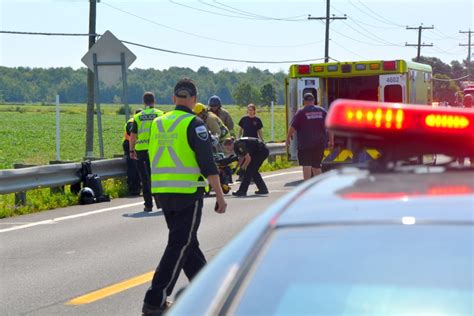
59	219
281	174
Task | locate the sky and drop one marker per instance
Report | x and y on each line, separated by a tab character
258	30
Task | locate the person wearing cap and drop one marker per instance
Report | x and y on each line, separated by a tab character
309	126
215	106
133	179
181	155
252	152
139	136
213	122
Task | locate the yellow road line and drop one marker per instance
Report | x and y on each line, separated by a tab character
111	290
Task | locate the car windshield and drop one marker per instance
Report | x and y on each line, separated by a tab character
363	270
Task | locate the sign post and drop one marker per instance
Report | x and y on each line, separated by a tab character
108	52
58	139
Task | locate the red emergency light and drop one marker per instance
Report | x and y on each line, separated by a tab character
304	69
390	65
436	130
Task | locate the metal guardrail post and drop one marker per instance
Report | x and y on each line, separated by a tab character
59	189
20	197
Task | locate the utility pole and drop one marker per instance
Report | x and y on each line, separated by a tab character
327	18
469	45
90	83
420	29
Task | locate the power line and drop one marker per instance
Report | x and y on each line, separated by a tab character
460	78
348	50
240	16
220	58
367	24
205	37
167	50
384	19
228	8
48	33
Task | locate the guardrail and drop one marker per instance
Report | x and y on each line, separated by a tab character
50	176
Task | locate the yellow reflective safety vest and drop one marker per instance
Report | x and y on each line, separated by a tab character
144	120
126	136
174	167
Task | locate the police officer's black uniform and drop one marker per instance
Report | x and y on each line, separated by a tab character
258	153
133	180
183	216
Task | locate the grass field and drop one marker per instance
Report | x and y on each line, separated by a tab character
28	136
28	131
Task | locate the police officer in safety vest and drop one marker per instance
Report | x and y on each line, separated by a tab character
133	180
139	136
181	160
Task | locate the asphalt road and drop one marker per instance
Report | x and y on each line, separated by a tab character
98	259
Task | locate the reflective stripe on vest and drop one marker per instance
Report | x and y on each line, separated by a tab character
174	167
144	120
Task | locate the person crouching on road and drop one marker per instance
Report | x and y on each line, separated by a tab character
252	152
140	134
181	155
309	125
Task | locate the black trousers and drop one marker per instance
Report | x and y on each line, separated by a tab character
133	179
182	252
143	166
252	171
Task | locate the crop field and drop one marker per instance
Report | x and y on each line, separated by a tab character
28	133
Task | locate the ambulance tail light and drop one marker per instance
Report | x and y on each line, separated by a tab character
365	117
304	69
390	65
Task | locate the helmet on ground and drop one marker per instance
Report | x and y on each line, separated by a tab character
214	102
86	196
199	108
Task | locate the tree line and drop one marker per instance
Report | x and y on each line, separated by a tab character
33	85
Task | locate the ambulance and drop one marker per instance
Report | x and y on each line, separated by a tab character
397	81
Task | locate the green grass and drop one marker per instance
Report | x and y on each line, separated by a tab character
28	133
28	136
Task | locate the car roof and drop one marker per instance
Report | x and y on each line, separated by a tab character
424	194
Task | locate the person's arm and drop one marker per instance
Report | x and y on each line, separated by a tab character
246	161
291	132
213	127
331	140
241	131
229	121
200	142
260	134
133	140
215	183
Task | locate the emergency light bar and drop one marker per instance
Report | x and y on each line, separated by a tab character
397	124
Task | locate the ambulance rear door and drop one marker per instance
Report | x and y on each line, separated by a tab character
297	87
393	88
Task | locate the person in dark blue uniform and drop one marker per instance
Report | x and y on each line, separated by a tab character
252	152
309	126
133	180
